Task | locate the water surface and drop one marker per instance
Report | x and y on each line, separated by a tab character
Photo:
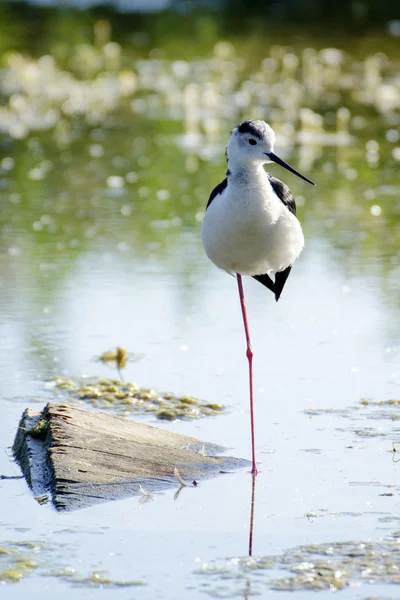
100	246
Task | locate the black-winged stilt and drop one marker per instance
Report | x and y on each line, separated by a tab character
250	226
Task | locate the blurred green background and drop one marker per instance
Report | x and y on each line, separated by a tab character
113	125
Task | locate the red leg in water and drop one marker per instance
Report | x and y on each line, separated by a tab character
249	354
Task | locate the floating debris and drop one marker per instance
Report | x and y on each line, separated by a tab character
182	483
146	495
128	398
179	479
45	499
119	357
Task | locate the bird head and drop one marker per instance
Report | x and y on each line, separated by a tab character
253	142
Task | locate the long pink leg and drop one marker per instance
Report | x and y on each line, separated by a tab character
249	354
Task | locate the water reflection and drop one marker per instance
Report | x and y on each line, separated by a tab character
253	498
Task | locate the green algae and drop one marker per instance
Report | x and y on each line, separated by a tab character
166	415
361	409
10	576
125	398
313	567
367	409
20	559
94	579
39	430
215	407
17	561
119	357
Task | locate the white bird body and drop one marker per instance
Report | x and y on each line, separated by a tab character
248	230
250	226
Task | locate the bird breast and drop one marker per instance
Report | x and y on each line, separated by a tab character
248	230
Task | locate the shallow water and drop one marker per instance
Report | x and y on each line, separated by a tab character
88	263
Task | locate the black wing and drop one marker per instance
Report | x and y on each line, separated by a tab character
285	196
283	192
277	286
267	281
217	190
280	280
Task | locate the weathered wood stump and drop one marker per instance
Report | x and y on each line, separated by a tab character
84	457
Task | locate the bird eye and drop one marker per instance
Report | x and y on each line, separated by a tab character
252	142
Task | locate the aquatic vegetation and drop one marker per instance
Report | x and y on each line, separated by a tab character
364	411
329	566
128	398
39	430
41	94
65	112
118	357
96	579
19	560
312	95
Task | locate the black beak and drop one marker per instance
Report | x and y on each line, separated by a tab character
281	162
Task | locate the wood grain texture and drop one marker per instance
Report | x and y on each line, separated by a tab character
94	456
